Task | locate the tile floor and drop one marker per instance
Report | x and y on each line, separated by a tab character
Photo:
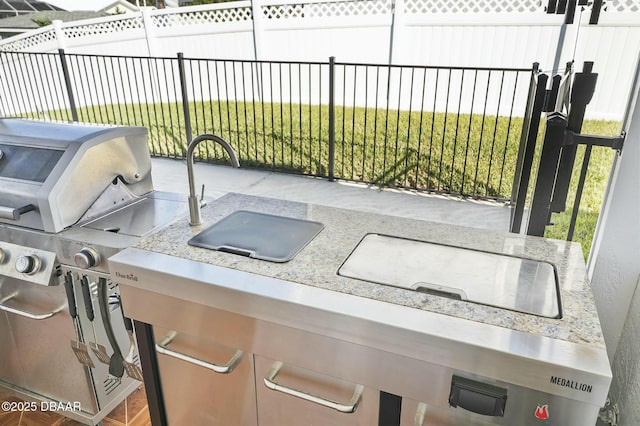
131	412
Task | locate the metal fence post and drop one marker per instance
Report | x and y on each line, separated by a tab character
149	31
584	85
67	83
576	204
549	158
258	31
59	32
185	99
332	118
522	178
526	121
258	35
397	24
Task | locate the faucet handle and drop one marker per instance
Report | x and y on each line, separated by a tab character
202	201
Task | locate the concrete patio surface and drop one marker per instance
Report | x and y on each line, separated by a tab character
171	175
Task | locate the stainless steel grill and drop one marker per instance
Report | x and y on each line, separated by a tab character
71	195
54	175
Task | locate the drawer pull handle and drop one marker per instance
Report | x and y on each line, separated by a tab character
350	407
25	313
221	369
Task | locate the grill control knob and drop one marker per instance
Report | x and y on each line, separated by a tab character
87	258
28	264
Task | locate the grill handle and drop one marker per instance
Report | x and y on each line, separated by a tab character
26	314
86	295
116	366
71	298
14	213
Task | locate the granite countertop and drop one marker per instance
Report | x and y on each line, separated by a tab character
317	264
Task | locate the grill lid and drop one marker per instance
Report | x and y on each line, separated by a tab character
52	173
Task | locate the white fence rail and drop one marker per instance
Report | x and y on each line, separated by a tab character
474	33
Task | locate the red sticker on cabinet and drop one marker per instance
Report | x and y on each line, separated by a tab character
542	412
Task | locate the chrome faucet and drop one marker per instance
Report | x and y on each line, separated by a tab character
194	203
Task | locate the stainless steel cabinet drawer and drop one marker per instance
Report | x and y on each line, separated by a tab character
524	407
204	383
289	395
416	413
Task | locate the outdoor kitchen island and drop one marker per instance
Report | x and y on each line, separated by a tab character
230	339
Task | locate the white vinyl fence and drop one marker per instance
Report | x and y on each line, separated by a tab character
473	33
114	80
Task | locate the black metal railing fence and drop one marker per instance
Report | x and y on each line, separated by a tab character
565	105
451	130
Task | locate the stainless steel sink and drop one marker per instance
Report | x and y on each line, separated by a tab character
493	279
258	235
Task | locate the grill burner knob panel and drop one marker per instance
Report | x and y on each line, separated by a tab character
28	264
87	258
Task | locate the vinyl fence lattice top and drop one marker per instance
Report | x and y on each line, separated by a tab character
217	16
472	6
327	9
624	5
83	30
28	43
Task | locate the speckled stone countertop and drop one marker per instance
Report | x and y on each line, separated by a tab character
317	264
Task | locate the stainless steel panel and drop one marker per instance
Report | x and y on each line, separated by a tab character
194	395
492	279
370	333
141	218
523	405
282	409
43	346
416	413
408	376
11	367
46	265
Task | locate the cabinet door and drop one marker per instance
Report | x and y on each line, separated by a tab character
11	370
204	383
42	330
289	395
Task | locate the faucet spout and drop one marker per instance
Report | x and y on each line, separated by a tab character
194	203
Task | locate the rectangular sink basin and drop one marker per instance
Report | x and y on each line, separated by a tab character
258	235
493	279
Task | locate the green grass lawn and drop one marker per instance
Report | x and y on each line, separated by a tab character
461	154
464	154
